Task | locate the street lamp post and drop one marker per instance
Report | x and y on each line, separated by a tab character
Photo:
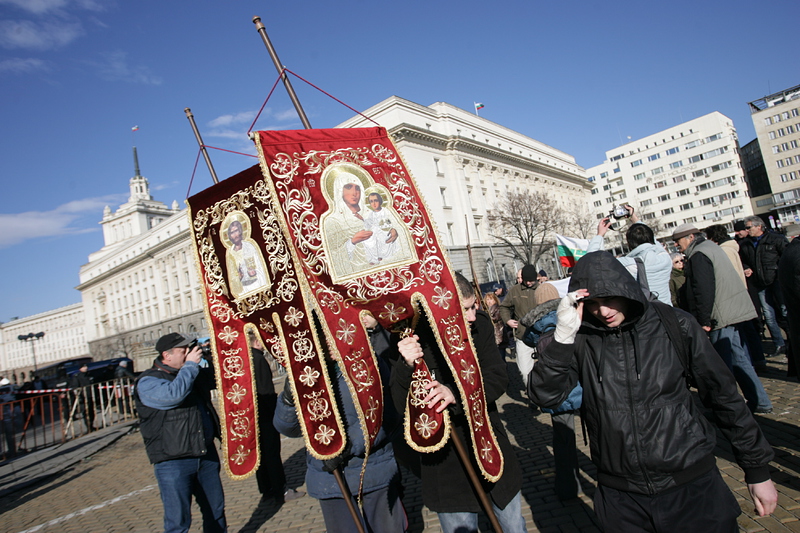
32	337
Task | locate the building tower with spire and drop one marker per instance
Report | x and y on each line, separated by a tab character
138	215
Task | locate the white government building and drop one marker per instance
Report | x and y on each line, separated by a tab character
143	282
689	173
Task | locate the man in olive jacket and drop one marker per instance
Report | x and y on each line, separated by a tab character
178	425
653	446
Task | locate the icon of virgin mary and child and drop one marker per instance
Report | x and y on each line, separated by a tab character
360	230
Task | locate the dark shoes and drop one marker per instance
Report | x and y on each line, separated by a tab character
780	350
762	411
292	494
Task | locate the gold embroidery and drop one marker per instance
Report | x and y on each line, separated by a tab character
426	426
233	367
318	408
236	393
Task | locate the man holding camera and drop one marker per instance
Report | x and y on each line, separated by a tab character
178	425
642	243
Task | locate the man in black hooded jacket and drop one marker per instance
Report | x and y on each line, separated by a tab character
652	446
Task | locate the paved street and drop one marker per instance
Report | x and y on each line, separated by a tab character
115	490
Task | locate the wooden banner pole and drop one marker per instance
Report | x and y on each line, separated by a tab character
200	142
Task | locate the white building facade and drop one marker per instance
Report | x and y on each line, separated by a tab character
690	173
144	282
64	338
776	119
464	165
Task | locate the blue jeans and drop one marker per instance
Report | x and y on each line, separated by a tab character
770	319
510	519
179	479
729	346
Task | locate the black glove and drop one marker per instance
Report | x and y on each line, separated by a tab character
329	465
288	395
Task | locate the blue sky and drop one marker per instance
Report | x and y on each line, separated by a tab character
77	75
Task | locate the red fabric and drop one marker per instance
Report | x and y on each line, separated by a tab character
277	255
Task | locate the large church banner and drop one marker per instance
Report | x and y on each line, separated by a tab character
333	228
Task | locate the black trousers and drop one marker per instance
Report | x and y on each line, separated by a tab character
270	475
705	505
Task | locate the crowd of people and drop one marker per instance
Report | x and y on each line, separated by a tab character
625	349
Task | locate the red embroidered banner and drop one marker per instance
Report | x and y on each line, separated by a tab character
362	241
251	282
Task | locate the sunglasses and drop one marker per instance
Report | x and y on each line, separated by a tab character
678	261
748	227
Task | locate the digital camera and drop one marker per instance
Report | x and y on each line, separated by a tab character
619	212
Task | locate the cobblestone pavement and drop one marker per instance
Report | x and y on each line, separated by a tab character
115	489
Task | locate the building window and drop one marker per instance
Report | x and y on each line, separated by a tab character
678	179
768	121
673	151
657	171
639	176
598	203
667	211
676	164
604	174
641	190
686	207
772	135
654	157
645	203
436	166
636	163
443	192
682	192
670	225
663	198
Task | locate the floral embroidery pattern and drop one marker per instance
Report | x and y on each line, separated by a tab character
442	297
486	451
467	372
325	435
346	332
236	393
309	377
228	335
426	426
240	456
293	316
392	313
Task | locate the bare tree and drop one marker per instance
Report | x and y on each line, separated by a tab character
526	222
579	221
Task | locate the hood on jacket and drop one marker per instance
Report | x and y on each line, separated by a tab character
603	276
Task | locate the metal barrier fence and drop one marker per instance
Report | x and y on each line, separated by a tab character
38	419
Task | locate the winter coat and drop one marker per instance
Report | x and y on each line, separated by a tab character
762	256
657	265
714	293
381	467
519	301
445	486
647	434
676	281
731	249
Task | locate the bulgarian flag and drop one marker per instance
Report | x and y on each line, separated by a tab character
570	250
478	106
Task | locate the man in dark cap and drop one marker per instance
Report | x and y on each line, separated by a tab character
516	305
542	277
178	424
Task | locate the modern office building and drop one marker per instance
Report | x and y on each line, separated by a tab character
776	119
689	173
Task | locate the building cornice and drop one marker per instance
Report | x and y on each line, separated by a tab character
451	143
137	259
